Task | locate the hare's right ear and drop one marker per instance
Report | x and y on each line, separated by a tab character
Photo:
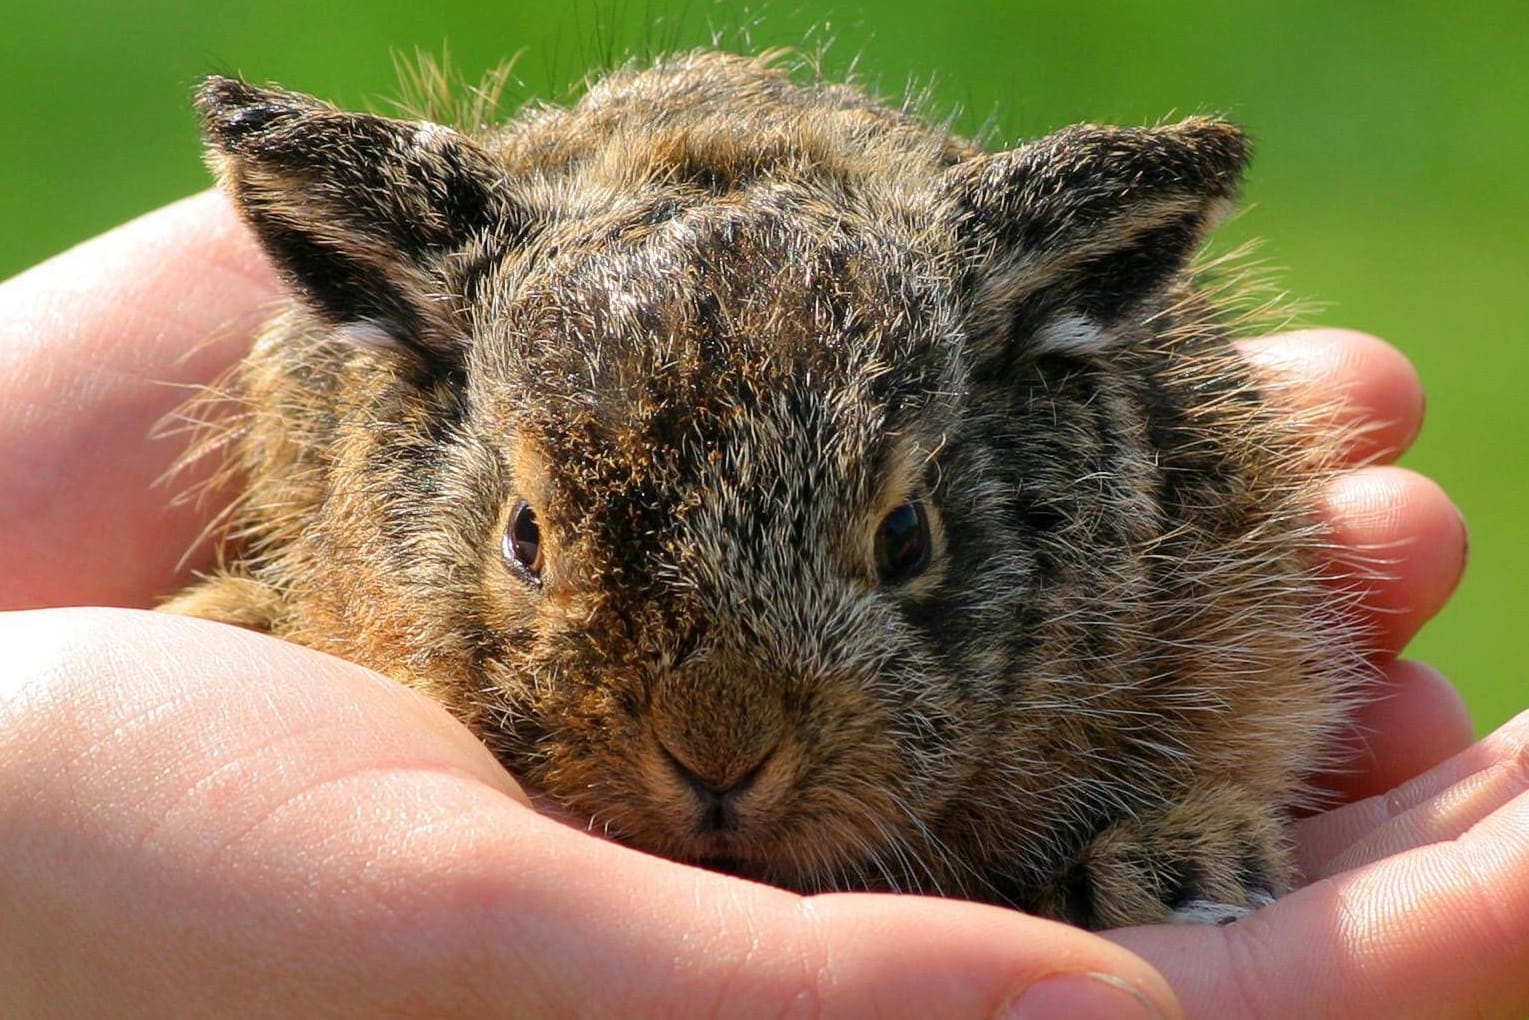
360	212
1060	239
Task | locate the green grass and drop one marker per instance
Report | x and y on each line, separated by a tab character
1391	177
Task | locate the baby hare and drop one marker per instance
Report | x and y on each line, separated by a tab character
789	487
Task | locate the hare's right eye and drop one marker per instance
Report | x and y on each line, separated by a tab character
903	543
522	544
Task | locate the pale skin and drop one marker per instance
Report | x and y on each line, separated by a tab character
200	820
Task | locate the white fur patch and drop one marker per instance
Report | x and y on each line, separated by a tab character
1070	333
368	333
1206	912
428	135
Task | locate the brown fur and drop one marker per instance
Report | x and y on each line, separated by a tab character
714	326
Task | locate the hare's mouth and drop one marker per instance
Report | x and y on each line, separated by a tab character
728	864
752	841
759	864
780	867
726	852
788	852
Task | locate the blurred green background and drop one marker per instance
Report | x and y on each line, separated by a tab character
1391	177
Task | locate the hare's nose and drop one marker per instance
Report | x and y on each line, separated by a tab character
718	783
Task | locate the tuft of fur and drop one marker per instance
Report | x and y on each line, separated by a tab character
715	329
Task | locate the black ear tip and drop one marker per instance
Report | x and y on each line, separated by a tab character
232	110
1220	146
1214	130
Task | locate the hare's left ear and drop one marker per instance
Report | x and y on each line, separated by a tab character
1061	238
361	212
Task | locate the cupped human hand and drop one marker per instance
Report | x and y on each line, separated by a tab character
203	820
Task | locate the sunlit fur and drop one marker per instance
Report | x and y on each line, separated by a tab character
713	325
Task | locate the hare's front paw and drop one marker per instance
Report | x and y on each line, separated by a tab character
1213	857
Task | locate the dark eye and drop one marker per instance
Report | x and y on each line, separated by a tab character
523	542
902	544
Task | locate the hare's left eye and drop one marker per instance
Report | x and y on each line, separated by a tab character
903	544
522	544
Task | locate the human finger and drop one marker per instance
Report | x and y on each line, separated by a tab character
1400	544
161	777
1399	548
1412	719
1364	388
97	345
1437	805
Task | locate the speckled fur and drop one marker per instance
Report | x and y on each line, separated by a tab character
713	325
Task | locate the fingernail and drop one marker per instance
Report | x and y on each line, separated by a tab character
1465	543
1085	996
